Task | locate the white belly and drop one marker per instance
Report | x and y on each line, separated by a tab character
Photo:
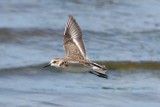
76	68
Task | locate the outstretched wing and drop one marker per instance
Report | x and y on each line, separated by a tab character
73	43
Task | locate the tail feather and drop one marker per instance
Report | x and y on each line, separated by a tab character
99	66
99	70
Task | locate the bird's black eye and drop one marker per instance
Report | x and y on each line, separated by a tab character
54	61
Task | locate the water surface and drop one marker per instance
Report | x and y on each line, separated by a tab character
51	87
31	34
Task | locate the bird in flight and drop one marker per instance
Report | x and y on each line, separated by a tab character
75	52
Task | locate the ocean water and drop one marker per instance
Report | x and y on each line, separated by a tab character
36	87
31	34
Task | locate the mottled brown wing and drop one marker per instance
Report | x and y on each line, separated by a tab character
73	43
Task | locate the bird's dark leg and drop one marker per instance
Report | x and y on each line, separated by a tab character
99	74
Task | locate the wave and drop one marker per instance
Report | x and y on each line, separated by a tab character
34	45
111	65
130	65
27	31
7	32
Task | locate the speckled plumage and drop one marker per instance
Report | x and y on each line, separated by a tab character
75	50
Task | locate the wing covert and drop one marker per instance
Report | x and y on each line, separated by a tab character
73	43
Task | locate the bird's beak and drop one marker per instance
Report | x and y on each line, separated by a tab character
47	65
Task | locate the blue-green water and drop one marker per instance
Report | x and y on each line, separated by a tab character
31	33
35	86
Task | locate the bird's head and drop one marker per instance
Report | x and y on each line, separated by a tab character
54	62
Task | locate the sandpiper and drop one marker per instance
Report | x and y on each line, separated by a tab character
75	51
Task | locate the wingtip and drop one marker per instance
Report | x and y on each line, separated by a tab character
103	76
99	74
70	17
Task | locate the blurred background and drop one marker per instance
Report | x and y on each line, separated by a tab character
118	33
